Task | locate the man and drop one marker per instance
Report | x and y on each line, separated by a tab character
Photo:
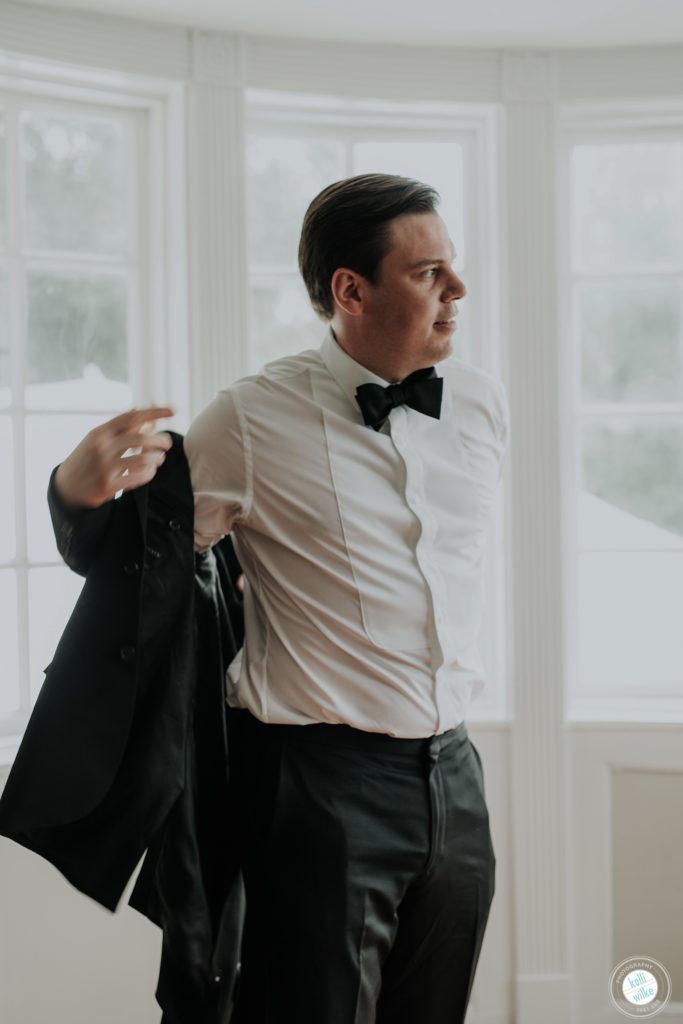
357	483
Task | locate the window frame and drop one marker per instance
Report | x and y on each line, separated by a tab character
155	262
585	124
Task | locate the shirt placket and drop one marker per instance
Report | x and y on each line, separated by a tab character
425	548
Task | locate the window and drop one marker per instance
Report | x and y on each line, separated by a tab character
626	234
76	229
299	144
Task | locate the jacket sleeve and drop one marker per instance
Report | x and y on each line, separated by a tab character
78	531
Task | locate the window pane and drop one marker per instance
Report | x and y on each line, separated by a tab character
628	204
49	439
5	350
283	176
435	163
3	184
76	180
9	644
630	637
7	521
633	478
281	322
77	343
631	344
52	593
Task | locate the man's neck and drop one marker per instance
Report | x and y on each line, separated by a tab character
391	374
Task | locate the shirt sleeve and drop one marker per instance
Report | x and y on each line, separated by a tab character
219	456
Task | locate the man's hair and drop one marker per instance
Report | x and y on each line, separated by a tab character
349	225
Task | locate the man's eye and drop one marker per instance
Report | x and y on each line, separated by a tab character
431	272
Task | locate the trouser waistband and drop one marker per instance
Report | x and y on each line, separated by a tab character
329	734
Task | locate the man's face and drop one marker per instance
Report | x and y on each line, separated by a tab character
409	312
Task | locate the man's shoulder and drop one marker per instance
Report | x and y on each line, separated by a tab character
281	370
477	392
464	378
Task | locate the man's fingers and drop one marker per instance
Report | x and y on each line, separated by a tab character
119	444
135	471
133	463
137	475
133	419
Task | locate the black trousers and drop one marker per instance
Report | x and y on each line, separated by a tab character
369	873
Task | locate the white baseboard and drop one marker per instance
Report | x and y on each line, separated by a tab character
541	998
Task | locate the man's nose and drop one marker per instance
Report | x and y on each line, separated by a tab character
456	287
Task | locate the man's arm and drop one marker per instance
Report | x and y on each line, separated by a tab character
218	453
82	488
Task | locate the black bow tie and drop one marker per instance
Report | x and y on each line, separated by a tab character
421	390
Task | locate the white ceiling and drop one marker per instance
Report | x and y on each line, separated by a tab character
484	23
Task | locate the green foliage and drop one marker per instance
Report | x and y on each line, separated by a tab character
75	181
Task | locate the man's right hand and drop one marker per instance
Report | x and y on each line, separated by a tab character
96	469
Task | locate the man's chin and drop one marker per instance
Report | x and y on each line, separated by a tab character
443	350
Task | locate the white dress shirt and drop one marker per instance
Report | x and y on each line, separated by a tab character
363	551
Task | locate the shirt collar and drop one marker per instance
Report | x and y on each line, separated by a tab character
348	374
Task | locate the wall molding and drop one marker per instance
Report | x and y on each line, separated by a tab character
217	58
364	70
475	75
537	739
529	76
647	72
217	237
595	756
92	40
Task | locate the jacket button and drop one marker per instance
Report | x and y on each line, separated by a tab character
127	653
174	524
130	568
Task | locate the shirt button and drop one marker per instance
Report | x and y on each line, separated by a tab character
174	524
131	567
127	653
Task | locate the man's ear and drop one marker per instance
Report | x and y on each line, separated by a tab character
348	290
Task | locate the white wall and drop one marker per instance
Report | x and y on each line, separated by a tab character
63	958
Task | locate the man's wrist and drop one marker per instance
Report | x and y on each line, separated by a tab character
60	495
59	489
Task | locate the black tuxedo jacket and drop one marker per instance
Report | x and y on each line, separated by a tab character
126	749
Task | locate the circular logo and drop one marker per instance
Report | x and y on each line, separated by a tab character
640	986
